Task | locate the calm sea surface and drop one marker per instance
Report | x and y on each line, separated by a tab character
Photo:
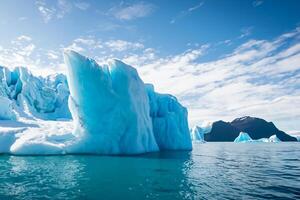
210	171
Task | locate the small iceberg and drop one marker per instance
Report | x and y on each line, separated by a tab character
197	134
243	138
274	139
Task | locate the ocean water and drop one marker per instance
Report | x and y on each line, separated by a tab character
210	171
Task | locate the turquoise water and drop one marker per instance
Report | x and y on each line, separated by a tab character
210	171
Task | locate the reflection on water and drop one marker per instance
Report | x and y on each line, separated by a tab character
210	171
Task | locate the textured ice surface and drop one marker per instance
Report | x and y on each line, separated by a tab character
169	117
6	109
243	137
110	107
25	95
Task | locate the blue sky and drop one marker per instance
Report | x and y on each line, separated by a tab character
222	59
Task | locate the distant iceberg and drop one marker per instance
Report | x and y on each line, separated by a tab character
274	138
198	132
113	112
243	138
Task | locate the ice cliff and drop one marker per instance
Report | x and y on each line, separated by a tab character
113	112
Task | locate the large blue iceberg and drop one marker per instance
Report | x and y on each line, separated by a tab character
97	109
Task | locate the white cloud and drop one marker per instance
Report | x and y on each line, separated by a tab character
58	9
24	37
257	3
63	7
22	18
22	51
83	44
186	12
47	13
52	55
122	45
82	5
133	11
246	32
195	7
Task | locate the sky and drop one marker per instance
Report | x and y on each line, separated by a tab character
221	59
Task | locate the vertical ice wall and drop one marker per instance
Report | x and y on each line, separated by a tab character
169	118
110	107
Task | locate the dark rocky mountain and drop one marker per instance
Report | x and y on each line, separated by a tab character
222	132
256	128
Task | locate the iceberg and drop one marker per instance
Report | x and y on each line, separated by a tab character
169	119
274	139
95	109
263	140
243	138
197	134
110	107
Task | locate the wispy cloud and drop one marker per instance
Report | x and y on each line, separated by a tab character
103	50
195	7
63	7
187	12
132	11
47	12
82	5
257	3
57	9
122	45
22	18
246	31
24	37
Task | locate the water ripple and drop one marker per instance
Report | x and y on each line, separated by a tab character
211	171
